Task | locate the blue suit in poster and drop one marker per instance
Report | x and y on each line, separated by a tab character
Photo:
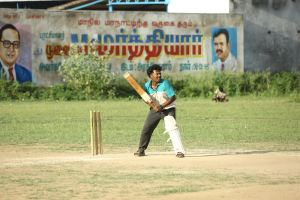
22	74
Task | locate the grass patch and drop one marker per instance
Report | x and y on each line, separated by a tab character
244	122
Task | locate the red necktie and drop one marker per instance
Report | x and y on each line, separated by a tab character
222	67
11	74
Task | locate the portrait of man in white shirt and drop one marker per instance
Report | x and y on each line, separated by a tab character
224	60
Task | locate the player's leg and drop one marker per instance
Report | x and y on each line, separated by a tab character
173	131
150	124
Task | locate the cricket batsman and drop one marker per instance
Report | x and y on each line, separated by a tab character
162	106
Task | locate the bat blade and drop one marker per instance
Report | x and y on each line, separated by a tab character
137	87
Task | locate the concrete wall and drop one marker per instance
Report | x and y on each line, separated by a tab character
271	34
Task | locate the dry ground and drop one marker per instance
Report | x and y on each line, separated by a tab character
27	173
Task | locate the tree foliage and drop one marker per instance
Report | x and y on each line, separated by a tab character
86	72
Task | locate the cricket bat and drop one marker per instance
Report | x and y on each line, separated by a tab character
146	97
137	87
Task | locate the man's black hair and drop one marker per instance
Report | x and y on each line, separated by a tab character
8	26
222	31
152	68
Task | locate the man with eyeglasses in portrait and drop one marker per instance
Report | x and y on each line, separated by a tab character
9	53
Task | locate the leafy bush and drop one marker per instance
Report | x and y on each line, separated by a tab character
193	85
86	73
237	84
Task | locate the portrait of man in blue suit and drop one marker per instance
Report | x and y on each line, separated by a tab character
9	52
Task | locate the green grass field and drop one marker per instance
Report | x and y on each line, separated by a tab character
45	151
270	124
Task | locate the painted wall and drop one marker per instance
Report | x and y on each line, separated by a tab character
179	42
271	34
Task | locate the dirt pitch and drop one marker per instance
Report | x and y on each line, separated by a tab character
27	173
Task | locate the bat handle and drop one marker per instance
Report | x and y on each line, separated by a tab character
154	106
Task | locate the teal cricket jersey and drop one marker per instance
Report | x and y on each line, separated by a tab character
163	92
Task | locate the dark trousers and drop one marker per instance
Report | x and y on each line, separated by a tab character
150	124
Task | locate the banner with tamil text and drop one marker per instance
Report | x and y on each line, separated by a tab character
180	43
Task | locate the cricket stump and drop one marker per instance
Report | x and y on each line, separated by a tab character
96	134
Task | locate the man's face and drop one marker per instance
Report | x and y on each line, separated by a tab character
9	47
221	47
155	76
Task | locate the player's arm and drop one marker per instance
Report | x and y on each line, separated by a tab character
159	108
170	93
168	102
